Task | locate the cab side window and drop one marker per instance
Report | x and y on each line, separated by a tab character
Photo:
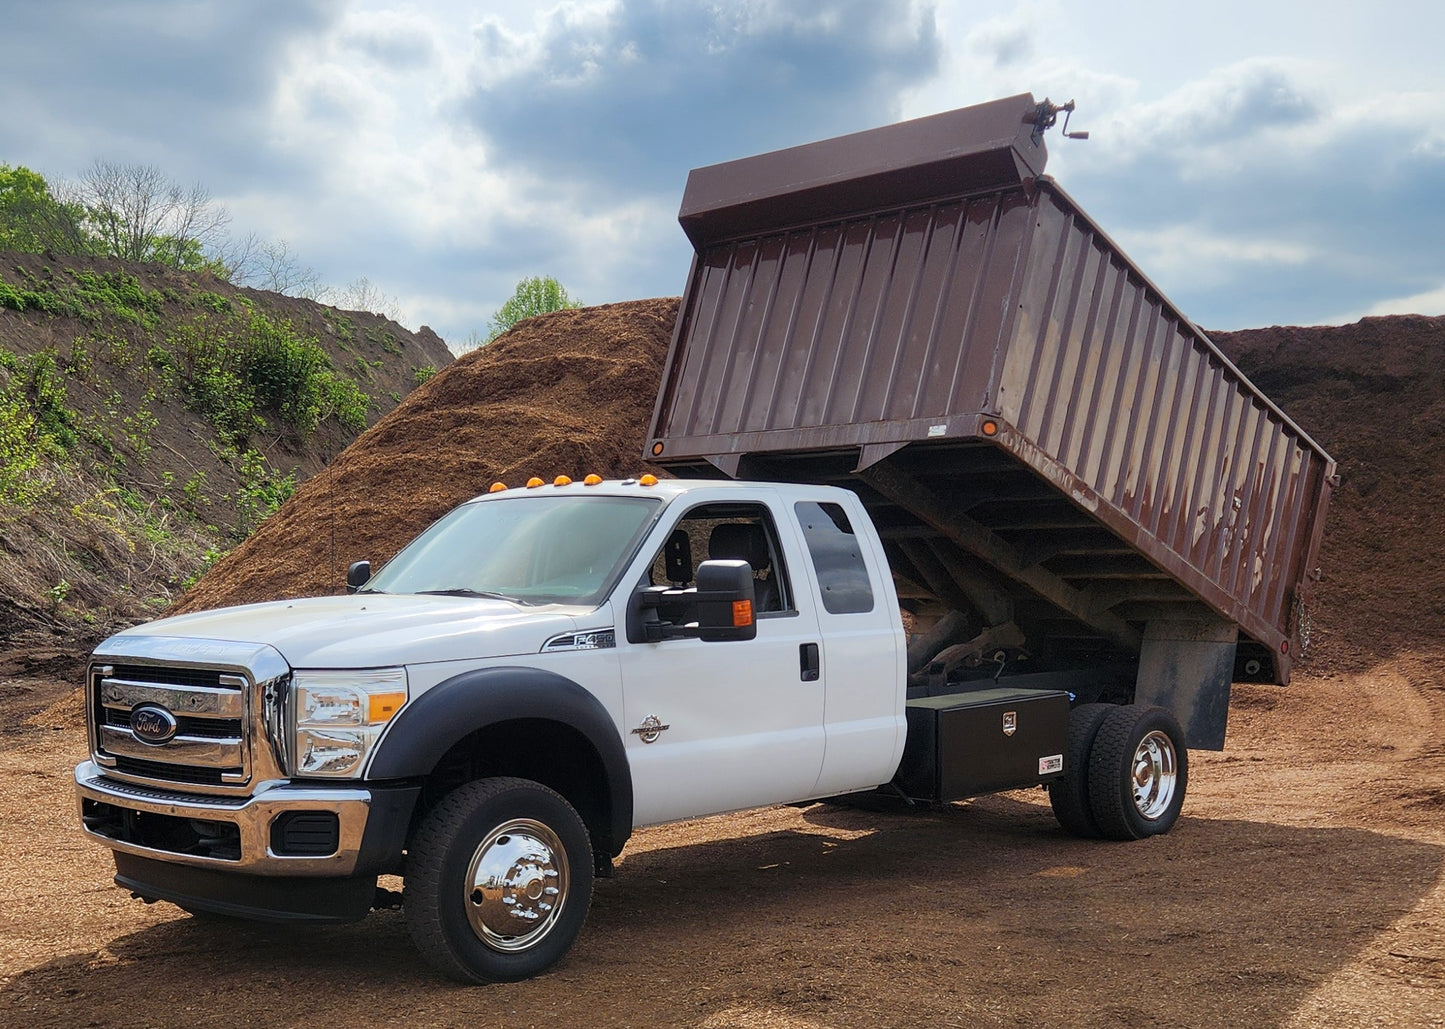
837	558
713	532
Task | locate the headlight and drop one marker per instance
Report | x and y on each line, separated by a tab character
340	716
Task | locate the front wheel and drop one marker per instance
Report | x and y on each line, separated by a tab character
499	879
1138	771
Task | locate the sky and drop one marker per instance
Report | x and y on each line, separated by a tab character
1264	162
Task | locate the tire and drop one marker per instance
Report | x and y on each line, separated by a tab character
494	856
1138	772
1069	796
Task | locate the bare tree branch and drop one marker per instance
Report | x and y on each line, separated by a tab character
139	214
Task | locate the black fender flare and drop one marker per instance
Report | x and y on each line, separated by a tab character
455	708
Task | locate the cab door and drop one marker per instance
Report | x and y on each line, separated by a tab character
713	727
864	658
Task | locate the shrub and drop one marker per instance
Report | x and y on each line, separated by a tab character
21	450
263	490
289	375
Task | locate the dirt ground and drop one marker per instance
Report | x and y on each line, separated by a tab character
1304	887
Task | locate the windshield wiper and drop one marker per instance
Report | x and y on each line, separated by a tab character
465	591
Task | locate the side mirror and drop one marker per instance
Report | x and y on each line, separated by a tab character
357	574
725	595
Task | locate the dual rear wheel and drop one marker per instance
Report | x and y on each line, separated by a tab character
1126	768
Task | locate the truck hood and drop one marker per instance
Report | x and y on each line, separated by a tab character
376	630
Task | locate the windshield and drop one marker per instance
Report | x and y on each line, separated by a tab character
534	549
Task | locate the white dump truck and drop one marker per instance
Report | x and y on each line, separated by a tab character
909	378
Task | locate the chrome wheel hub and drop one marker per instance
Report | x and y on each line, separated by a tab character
1155	775
516	885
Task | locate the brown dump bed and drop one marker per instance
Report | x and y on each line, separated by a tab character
916	313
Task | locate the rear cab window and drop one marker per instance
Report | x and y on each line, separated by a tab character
837	557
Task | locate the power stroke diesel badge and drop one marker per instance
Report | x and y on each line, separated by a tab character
650	729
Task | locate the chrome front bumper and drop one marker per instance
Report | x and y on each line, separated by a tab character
111	809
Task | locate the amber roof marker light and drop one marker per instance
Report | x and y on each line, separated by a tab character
497	487
648	480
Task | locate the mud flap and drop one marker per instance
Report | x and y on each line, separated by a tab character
1187	666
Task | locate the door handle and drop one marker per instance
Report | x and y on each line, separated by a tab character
808	662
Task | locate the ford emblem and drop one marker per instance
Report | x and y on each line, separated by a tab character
152	723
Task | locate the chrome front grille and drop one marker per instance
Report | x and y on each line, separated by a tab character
199	716
203	709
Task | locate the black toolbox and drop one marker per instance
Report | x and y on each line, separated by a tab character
983	741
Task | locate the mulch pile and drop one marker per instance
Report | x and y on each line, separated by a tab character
572	393
568	393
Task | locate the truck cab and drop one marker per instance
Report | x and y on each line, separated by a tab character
271	760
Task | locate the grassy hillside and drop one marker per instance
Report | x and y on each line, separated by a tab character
151	418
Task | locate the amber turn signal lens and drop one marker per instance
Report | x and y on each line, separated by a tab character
648	480
592	480
656	449
742	613
381	706
990	428
534	482
497	487
562	480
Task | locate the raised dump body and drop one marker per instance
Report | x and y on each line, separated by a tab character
1051	450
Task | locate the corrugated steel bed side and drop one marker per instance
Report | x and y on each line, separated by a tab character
913	324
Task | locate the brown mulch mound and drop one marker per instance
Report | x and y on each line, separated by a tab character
567	393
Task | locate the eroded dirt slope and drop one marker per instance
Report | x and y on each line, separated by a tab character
137	437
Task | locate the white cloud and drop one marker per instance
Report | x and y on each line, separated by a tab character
445	150
1265	191
1431	302
1208	259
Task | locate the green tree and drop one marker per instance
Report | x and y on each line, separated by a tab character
33	219
533	296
